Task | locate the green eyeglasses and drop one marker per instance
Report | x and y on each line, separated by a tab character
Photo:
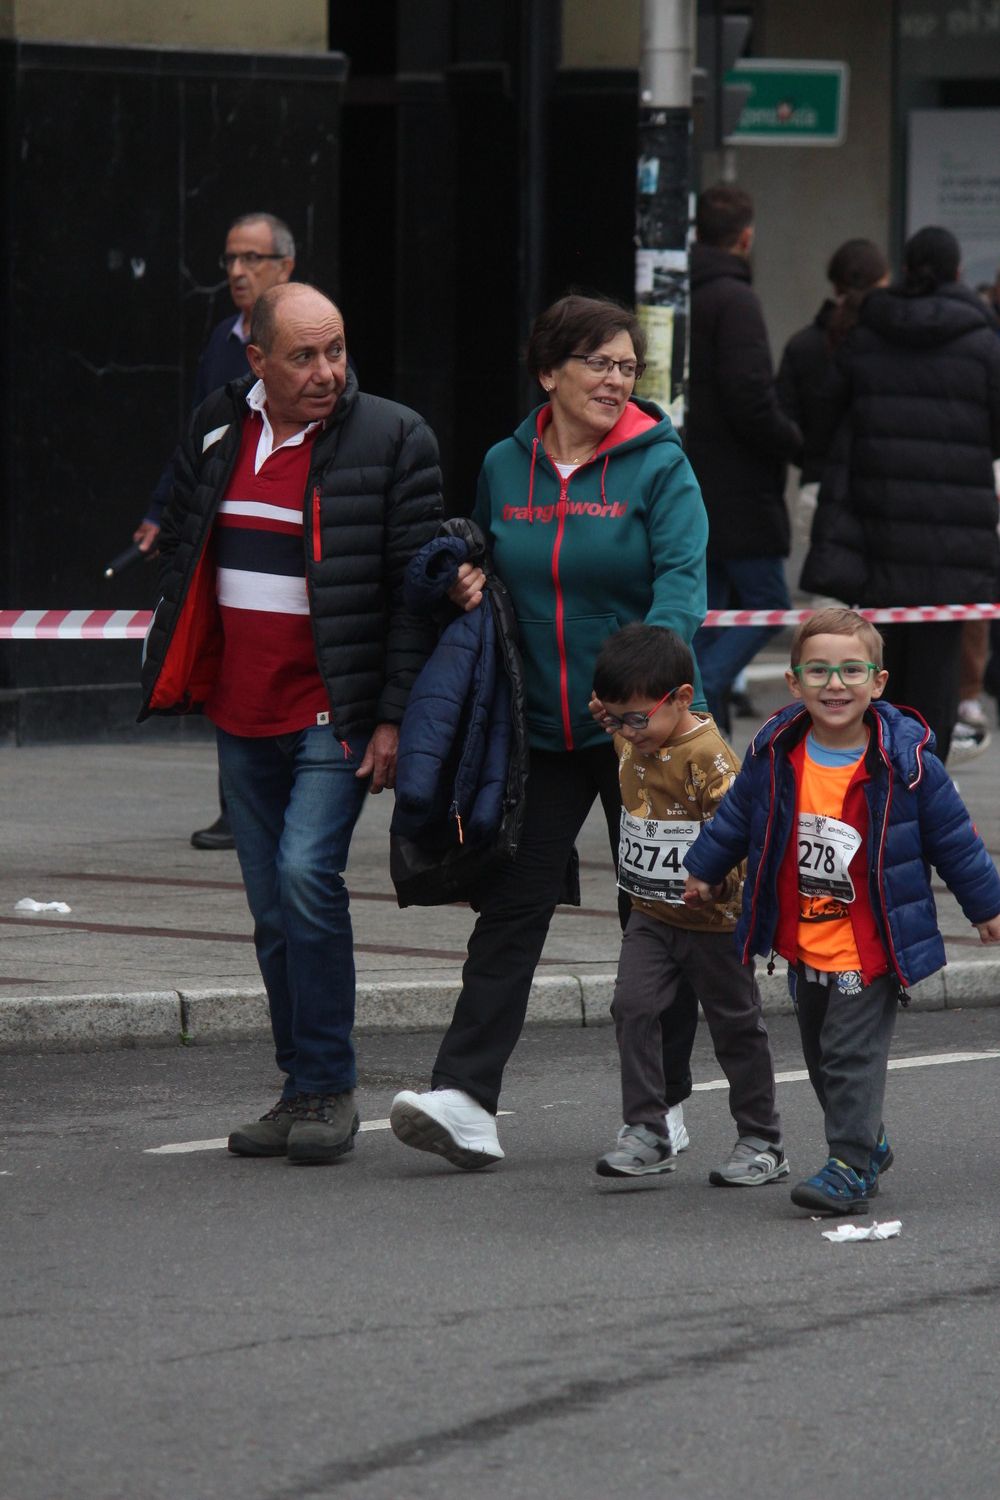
851	673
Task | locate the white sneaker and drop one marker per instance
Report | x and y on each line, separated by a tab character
448	1122
971	712
676	1129
967	743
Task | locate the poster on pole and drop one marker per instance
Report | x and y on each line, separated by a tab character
953	179
661	295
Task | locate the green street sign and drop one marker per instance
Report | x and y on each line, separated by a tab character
791	103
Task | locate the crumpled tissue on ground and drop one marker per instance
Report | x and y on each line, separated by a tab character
876	1231
26	904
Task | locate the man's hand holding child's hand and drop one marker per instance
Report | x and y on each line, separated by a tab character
699	893
989	932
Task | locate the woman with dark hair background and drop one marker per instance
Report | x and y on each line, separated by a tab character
593	518
855	267
918	379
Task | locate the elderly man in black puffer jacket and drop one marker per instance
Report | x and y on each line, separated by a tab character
298	502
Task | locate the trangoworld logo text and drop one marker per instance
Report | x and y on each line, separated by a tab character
612	509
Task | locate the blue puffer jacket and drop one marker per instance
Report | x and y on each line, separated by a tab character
455	738
463	751
915	819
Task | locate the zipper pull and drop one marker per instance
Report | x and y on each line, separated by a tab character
770	962
454	812
346	749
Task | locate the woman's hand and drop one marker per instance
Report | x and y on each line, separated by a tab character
467	590
598	711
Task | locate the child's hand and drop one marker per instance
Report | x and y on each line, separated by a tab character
989	932
699	893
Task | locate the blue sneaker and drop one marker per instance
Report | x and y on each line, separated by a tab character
835	1189
882	1157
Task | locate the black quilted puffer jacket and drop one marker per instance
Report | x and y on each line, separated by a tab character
372	500
918	380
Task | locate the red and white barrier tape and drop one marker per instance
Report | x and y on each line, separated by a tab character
132	624
74	624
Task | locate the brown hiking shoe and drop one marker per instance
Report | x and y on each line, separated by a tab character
323	1128
268	1136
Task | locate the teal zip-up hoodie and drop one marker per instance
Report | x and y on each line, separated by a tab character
622	539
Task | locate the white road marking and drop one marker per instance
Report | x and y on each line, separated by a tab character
181	1148
799	1075
932	1060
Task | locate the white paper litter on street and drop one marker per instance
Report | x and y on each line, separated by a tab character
876	1231
26	904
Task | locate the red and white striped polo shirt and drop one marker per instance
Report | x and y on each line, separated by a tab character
268	682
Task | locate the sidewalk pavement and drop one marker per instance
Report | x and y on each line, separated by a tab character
157	949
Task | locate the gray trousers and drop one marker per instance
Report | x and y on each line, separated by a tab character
845	1042
655	959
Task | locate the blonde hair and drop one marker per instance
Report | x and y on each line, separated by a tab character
838	622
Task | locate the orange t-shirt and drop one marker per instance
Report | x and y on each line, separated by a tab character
825	846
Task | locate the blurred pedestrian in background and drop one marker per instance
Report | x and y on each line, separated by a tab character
738	440
855	267
918	381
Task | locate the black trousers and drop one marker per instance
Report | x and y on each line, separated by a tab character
924	666
516	903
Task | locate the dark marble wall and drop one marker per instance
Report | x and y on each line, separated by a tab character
122	169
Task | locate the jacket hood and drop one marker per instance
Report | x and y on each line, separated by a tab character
640	424
901	734
709	263
924	322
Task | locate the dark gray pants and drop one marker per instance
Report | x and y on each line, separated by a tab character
656	959
845	1042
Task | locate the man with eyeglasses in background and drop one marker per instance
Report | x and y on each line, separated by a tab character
259	253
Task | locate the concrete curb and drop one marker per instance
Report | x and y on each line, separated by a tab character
98	1022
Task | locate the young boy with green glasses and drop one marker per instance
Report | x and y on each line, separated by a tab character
839	808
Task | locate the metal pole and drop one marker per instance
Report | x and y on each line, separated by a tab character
663	197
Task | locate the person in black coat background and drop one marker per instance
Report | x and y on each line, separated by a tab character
738	439
919	382
855	267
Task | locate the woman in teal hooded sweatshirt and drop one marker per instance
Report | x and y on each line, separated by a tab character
594	518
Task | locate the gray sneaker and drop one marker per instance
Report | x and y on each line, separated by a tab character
639	1152
751	1162
267	1136
323	1128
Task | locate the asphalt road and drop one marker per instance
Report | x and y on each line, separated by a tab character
193	1326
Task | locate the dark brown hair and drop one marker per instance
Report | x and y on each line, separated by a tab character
722	214
579	325
931	258
855	267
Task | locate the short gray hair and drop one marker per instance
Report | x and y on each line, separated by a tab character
282	239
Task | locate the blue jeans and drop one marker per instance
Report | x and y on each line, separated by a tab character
723	651
293	802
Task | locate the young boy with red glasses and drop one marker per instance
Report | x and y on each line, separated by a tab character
841	808
674	769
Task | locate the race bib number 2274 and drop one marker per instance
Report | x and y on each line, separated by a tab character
651	855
